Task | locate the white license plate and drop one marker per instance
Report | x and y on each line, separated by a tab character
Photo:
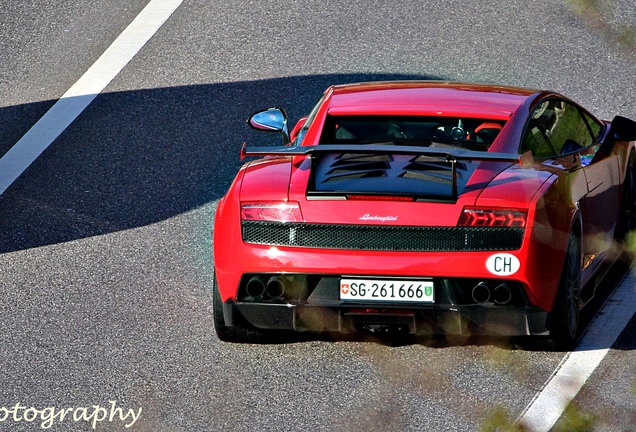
387	290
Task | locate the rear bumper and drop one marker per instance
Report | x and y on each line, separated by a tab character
433	319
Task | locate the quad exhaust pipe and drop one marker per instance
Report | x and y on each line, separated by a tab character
481	293
257	288
275	287
501	295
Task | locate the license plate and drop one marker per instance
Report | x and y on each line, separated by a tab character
387	290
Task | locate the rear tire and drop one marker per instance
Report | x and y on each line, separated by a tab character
565	316
227	333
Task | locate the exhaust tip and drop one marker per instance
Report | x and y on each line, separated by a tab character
255	287
481	293
275	287
502	294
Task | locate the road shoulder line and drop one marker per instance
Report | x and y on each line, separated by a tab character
576	368
84	91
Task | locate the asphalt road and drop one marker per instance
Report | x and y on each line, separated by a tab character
105	245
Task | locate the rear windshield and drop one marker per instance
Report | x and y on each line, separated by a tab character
469	133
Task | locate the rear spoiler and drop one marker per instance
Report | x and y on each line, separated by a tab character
449	155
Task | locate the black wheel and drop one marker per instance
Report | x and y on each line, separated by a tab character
627	221
565	314
226	333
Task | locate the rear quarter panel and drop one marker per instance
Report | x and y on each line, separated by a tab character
551	194
555	214
227	233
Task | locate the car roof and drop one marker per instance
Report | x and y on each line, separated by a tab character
427	98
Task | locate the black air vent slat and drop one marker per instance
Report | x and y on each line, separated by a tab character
348	175
430	167
429	176
359	158
364	166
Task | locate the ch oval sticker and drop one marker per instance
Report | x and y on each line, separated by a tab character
503	264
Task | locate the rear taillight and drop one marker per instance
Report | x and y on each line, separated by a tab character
271	211
480	217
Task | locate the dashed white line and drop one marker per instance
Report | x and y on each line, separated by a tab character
575	369
81	94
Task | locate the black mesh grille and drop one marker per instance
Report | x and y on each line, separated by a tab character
384	238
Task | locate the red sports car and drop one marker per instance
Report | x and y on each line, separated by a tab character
429	207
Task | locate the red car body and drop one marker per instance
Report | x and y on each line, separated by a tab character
497	207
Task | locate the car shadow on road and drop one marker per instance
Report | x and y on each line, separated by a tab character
138	157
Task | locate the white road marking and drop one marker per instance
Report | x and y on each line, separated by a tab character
575	369
81	94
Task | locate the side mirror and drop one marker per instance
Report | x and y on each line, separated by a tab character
271	120
623	129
